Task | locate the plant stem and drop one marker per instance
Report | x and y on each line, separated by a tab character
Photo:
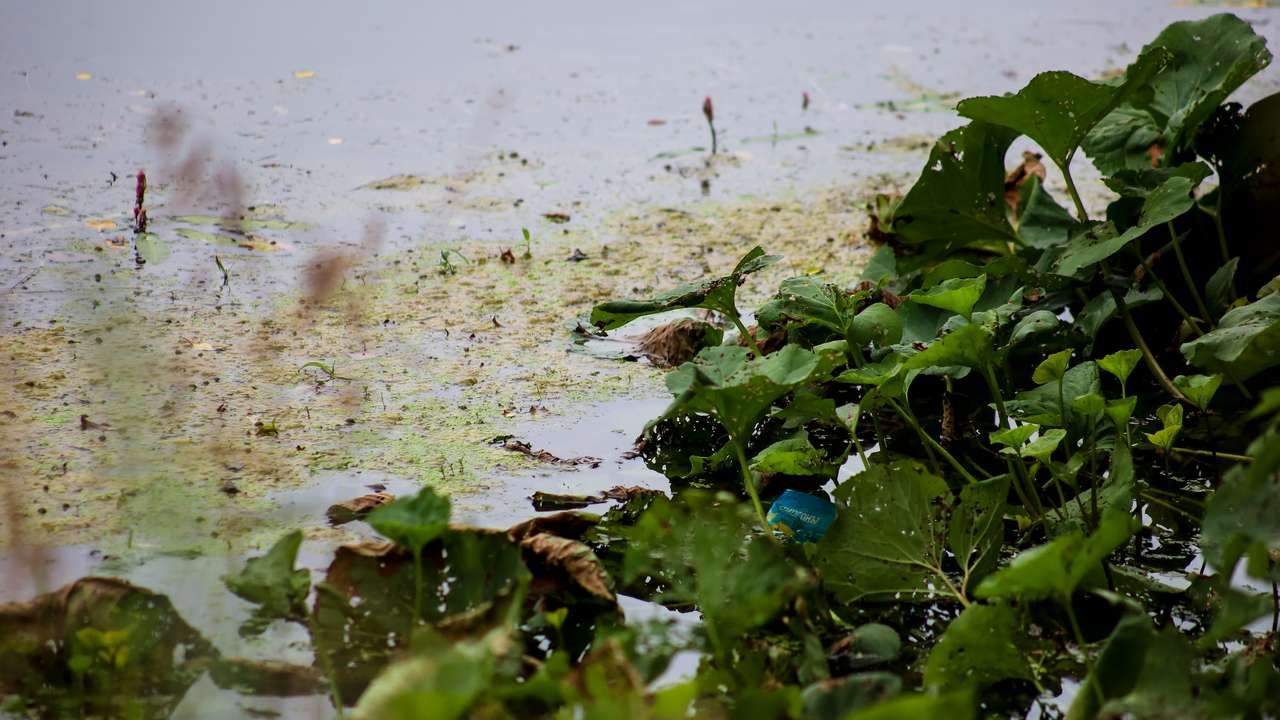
1165	289
994	388
857	444
751	338
1222	234
1212	454
1019	480
951	587
1065	168
905	412
417	585
1152	364
1275	607
1062	403
750	483
1170	507
1186	275
934	444
1075	630
1028	495
325	660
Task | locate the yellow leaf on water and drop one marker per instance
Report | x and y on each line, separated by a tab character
304	74
84	76
335	141
100	224
57	210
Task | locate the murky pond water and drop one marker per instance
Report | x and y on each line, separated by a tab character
334	187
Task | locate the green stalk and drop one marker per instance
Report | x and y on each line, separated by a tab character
1065	168
1028	495
751	338
417	585
1165	289
750	484
1134	333
931	443
1186	275
1222	233
1212	454
1152	364
1062	403
1075	630
857	445
994	388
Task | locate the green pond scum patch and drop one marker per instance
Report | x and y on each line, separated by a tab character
426	368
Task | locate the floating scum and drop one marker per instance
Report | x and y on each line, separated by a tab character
1062	441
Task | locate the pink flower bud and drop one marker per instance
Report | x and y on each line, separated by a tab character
707	110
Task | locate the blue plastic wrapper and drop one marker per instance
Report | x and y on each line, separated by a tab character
800	516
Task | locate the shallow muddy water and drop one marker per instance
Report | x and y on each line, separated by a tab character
383	158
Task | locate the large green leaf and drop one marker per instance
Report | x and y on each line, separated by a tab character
1058	109
794	456
1210	59
979	647
834	699
1042	405
959	198
412	522
877	324
1035	323
366	610
976	531
717	294
1140	673
1042	222
956	705
968	346
887	540
889	537
703	552
1054	570
1243	516
441	679
805	300
957	295
1171	199
1246	341
1140	183
1102	308
1122	140
272	583
735	387
1218	290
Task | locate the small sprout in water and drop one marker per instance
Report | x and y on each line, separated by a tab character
446	267
330	371
708	111
262	429
226	276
